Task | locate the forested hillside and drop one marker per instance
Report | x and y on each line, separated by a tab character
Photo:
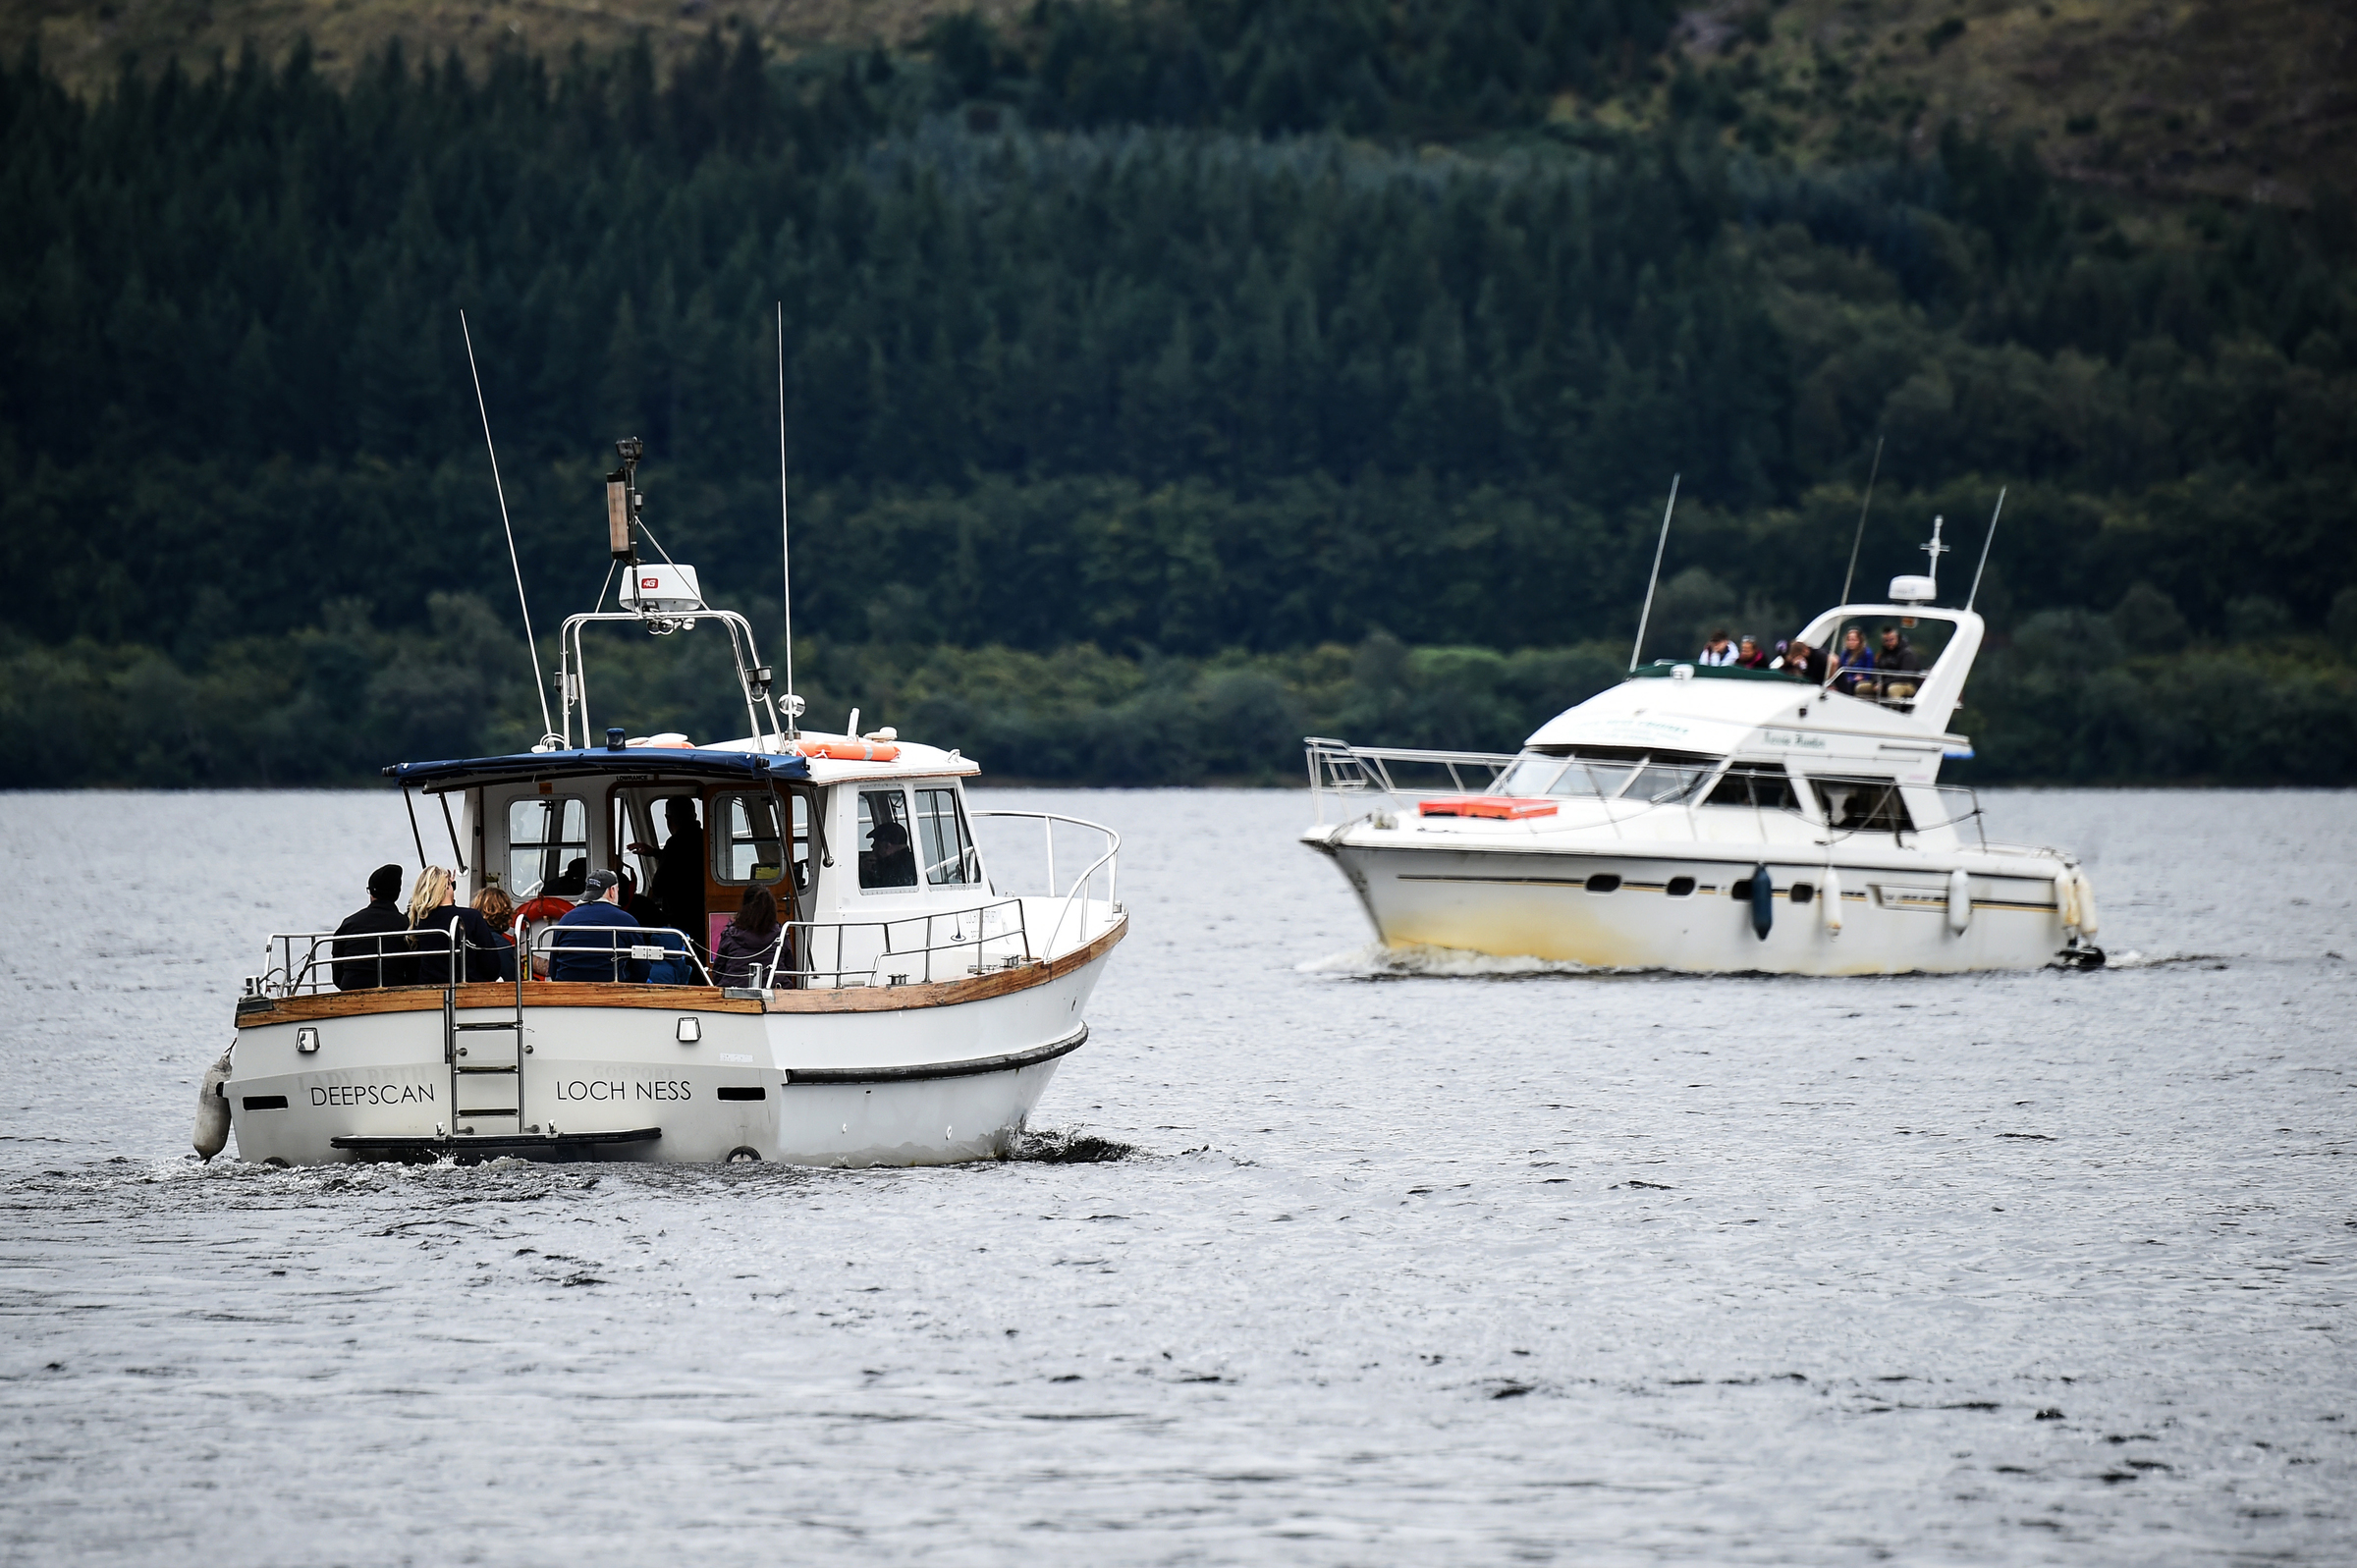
1161	380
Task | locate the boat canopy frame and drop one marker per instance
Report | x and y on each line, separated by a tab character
753	677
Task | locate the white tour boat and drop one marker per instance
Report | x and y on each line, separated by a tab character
1709	819
911	1013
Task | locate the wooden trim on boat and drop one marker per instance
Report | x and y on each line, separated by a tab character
255	1013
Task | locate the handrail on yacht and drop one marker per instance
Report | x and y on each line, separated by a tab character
1083	884
1347	769
284	974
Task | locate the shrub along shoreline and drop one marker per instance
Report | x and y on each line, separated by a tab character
2066	696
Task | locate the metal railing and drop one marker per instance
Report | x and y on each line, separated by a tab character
914	949
1079	897
306	963
1342	769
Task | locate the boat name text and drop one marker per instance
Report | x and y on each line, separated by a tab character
1786	737
371	1094
617	1089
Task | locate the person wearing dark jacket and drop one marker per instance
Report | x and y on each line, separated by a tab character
750	945
452	943
678	888
359	964
1897	654
595	942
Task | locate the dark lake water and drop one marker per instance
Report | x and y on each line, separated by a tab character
1406	1266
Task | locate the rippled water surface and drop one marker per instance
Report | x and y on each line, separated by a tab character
1408	1265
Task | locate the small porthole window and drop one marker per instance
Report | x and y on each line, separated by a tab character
1803	891
1740	892
1680	886
1604	882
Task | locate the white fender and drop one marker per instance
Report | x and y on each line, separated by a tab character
212	1110
2066	898
1828	890
2088	923
1959	900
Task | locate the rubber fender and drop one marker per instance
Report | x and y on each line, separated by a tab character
1763	902
1829	893
2066	898
212	1110
1959	900
2088	923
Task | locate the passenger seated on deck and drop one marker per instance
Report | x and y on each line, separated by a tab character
595	942
495	906
674	967
1896	654
1717	650
454	944
359	963
748	944
1855	656
1802	662
1749	656
887	862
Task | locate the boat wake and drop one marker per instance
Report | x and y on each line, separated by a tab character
1375	961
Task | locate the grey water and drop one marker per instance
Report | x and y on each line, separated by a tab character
1409	1259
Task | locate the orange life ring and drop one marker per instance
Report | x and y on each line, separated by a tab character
846	750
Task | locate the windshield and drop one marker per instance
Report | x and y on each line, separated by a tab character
1606	773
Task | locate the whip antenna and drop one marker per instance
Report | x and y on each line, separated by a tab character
785	524
531	647
1985	544
1645	615
1851	573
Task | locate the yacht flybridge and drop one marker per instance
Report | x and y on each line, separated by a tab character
907	1012
1717	818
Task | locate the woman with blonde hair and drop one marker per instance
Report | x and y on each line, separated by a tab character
452	944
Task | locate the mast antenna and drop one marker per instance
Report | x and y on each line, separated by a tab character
1850	575
1985	544
1646	615
531	647
1935	550
791	704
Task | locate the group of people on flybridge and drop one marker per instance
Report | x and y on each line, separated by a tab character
1892	669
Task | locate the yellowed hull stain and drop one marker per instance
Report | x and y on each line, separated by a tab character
1702	932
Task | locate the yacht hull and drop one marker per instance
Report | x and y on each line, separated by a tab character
1895	907
908	1075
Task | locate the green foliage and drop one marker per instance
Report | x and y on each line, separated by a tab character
1197	363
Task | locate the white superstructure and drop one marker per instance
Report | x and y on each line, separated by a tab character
1716	819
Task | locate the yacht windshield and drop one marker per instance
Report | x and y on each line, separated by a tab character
1605	773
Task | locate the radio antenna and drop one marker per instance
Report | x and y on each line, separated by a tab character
785	523
1852	574
531	647
1645	615
1985	544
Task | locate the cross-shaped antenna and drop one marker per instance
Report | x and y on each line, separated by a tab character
1936	548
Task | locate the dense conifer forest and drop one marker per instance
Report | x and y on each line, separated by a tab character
1161	381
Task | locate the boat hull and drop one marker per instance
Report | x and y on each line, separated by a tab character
1894	909
903	1076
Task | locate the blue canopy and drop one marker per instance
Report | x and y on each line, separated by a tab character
527	766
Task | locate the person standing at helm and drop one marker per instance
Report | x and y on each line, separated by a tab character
678	888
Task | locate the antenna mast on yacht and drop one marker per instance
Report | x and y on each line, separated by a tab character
531	649
791	704
1985	544
1935	550
1645	615
1852	574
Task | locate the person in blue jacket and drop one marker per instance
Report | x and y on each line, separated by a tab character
595	942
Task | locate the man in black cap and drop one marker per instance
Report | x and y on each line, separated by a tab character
359	964
595	942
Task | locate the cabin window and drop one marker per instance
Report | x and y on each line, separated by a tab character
1631	773
887	856
1863	805
747	848
1604	882
943	844
548	845
1679	887
1762	784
